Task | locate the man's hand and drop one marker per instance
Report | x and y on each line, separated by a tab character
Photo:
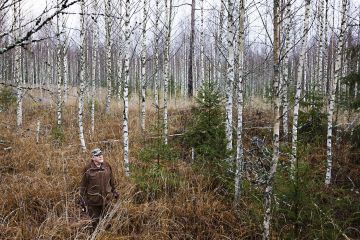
83	205
116	195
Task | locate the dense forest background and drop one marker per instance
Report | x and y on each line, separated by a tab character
221	119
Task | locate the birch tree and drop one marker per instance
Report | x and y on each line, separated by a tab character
65	67
82	75
324	51
156	35
59	64
285	76
219	43
332	92
240	104
191	51
95	49
108	53
143	67
202	69
270	179
168	10
17	69
229	74
126	89
319	73
298	88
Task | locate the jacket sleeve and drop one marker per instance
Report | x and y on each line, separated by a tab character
112	181
83	185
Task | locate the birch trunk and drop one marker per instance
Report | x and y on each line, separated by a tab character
325	48
168	10
82	75
120	55
190	81
94	67
108	54
17	69
66	76
240	104
126	89
58	69
332	92
230	75
202	69
269	183
143	68
319	72
156	75
285	78
219	44
298	88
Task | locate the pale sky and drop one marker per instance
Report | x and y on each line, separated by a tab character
35	7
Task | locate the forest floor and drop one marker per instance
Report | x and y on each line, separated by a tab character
164	199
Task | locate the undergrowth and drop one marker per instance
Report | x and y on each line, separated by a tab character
166	196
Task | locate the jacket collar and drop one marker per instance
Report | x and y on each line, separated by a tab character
93	165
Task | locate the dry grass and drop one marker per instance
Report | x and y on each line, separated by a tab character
39	182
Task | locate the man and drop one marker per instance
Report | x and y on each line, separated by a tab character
97	187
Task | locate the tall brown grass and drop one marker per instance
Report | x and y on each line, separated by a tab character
39	181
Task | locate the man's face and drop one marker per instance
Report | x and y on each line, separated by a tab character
98	158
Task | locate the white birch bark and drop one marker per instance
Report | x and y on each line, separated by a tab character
285	77
66	77
119	61
230	75
240	104
298	88
191	82
108	54
82	75
319	73
168	9
219	44
17	67
156	75
58	69
276	130
37	131
126	89
332	92
324	48
143	67
95	49
202	69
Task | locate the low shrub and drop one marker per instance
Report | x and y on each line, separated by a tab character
7	98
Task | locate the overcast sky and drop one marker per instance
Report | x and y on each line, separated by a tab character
256	31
